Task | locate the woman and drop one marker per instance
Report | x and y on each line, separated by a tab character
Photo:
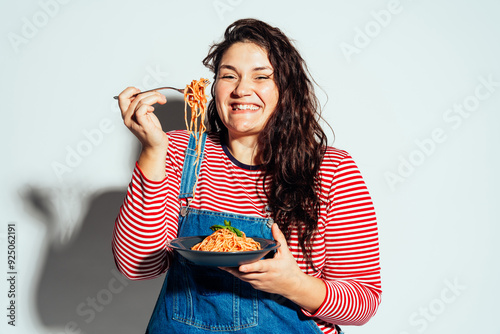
265	160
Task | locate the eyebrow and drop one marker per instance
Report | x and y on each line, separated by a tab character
260	68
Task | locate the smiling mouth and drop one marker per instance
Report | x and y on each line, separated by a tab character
244	107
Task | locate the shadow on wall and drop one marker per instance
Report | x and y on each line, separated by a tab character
80	288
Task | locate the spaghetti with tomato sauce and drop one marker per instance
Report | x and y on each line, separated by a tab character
196	98
224	240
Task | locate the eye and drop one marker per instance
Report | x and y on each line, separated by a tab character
263	76
228	76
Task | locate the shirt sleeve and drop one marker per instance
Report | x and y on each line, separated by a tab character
146	221
352	271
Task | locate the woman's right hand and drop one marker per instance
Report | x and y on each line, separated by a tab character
138	116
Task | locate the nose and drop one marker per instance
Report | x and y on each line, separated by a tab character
243	88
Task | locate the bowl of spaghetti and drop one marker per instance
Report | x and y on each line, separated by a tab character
223	257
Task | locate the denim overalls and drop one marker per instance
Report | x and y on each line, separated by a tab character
199	299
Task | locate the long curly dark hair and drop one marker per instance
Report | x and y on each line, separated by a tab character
292	144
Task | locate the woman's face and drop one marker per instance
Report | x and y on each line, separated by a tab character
245	91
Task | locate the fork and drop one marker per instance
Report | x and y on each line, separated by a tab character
151	90
206	82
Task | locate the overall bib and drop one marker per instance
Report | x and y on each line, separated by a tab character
200	299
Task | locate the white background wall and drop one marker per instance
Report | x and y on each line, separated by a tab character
413	91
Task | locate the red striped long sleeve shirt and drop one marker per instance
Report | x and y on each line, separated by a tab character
346	250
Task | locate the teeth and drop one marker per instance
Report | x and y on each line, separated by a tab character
245	107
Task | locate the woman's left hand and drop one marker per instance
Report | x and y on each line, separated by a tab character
280	275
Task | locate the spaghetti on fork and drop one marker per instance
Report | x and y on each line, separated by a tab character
196	98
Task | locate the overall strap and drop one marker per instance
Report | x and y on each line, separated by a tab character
191	169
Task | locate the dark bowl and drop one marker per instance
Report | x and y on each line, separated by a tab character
220	259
